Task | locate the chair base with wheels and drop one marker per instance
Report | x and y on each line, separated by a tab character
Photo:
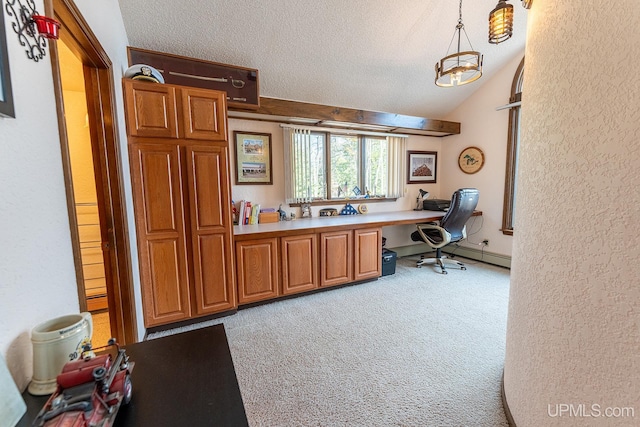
440	260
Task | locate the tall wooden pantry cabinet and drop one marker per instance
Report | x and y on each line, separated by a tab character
179	158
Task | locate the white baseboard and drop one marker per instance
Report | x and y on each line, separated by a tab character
463	251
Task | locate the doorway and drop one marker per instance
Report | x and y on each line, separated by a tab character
93	294
84	89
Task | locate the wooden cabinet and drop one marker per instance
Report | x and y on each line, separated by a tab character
204	114
161	235
180	176
257	262
368	253
150	110
299	263
211	241
154	110
336	258
305	262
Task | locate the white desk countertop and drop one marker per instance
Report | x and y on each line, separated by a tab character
327	222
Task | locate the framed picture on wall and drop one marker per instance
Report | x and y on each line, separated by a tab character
6	96
253	158
421	167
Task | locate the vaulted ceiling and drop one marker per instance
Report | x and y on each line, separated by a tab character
366	54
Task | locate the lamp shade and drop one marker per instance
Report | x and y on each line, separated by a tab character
501	22
459	69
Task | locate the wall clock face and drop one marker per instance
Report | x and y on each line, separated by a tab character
471	160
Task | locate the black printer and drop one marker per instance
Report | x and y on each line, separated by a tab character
436	204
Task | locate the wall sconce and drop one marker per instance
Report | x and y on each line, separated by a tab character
32	28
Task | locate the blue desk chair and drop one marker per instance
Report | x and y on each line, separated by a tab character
451	228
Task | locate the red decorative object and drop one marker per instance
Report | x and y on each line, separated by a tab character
90	390
47	27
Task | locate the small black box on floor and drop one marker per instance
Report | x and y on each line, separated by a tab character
388	262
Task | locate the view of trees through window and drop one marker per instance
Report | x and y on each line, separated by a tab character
356	164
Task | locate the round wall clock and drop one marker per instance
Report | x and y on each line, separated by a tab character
471	160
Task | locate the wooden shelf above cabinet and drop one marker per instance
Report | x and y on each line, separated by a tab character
304	113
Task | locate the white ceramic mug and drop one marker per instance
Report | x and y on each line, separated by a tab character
56	342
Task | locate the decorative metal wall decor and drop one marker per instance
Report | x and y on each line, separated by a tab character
32	29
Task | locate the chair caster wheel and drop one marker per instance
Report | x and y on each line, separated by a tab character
463	268
418	266
445	272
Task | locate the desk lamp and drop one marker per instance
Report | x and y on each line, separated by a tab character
422	195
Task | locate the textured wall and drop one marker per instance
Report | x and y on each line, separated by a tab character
573	331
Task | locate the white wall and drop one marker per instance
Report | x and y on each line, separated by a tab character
573	331
37	277
483	127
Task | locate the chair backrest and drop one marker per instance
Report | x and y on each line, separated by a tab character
463	203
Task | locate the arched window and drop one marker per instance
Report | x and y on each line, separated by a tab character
513	145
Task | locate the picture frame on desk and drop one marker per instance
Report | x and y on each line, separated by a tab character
253	158
421	167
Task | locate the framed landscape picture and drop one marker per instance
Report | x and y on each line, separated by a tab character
253	158
421	167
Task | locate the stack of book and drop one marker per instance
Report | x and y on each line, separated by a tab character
250	213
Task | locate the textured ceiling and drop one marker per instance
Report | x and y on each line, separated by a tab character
367	54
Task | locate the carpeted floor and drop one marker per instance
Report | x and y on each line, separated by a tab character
413	349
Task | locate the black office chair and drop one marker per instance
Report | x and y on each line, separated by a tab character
450	229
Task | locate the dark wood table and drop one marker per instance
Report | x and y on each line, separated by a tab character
185	379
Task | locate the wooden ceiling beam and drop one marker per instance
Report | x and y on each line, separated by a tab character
283	109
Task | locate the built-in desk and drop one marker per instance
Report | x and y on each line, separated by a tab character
334	223
283	258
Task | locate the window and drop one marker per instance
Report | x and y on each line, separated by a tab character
324	166
513	146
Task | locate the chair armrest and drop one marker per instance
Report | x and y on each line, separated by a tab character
446	237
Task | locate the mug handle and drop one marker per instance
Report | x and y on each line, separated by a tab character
89	320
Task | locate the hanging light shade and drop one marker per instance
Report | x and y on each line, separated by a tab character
501	22
462	67
527	4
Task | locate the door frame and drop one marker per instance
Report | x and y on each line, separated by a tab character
107	166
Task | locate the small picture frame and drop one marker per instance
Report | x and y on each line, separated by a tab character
253	158
421	167
6	96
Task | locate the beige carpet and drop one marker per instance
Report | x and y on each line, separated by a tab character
414	349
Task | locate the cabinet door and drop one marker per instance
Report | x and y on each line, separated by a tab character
257	264
336	258
209	206
299	263
204	114
150	109
368	253
157	196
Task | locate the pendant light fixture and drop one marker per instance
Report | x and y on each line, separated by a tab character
527	4
501	22
462	67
